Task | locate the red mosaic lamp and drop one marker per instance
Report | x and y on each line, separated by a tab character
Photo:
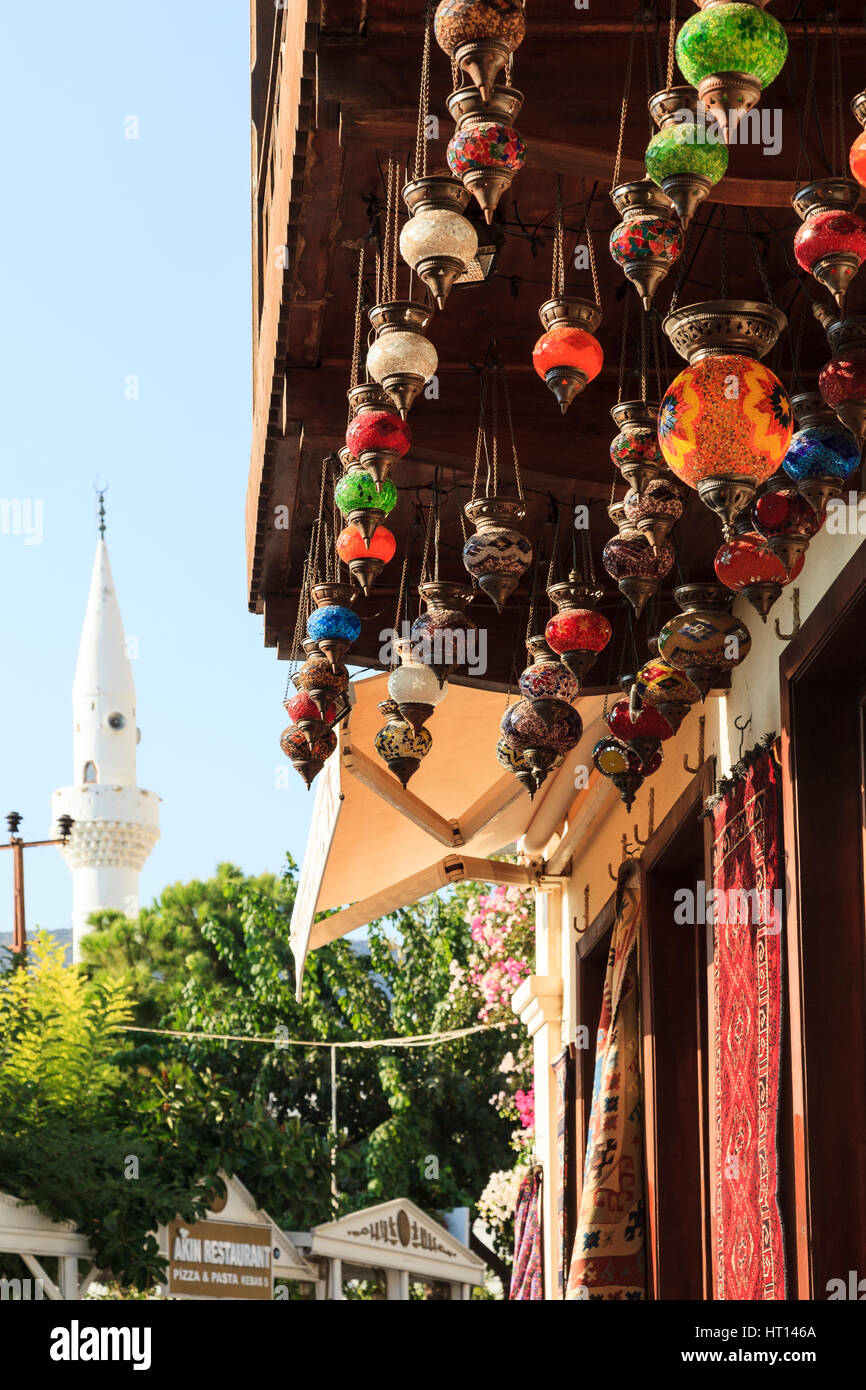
485	151
831	243
645	722
843	381
726	421
480	36
636	451
857	157
306	717
748	566
787	521
577	632
366	556
704	640
568	356
648	240
376	435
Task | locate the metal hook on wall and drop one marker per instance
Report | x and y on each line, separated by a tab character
741	728
786	636
581	930
652	815
623	856
702	724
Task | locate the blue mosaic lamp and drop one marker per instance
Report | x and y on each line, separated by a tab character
822	453
332	625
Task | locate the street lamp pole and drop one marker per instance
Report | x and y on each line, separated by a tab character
18	846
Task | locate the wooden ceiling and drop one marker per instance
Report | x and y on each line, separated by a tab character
334	91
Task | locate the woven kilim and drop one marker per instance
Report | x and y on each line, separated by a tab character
527	1273
563	1071
608	1260
747	982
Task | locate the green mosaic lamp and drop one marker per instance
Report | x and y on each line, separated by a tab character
686	156
730	52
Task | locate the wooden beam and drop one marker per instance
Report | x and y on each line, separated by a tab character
588	808
386	786
503	793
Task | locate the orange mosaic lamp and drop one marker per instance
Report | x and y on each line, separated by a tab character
726	421
568	356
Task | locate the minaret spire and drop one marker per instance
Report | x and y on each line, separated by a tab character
116	822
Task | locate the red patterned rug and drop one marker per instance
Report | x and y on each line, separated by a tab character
747	977
527	1272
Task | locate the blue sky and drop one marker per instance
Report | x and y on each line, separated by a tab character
130	258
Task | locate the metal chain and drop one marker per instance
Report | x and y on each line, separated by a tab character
762	269
672	41
623	347
506	391
395	224
658	365
355	369
623	113
809	101
589	246
723	248
839	103
423	97
557	271
494	436
386	249
428	531
481	438
643	357
400	595
684	262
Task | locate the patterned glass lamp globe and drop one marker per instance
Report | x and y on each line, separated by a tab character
333	621
547	676
685	157
822	450
401	359
541	730
649	723
379	431
857	157
366	556
438	242
705	639
357	491
487	145
402	747
416	690
730	52
648	240
726	421
480	35
747	565
661	685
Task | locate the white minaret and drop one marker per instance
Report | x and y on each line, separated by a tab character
116	823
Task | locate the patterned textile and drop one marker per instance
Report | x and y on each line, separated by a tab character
563	1071
527	1274
747	984
608	1261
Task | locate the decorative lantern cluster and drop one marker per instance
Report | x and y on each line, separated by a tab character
498	554
632	751
725	422
648	240
831	243
730	52
321	700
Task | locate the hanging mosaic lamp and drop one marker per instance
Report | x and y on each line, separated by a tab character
730	52
485	151
577	632
831	243
638	569
440	637
857	157
306	717
787	521
685	157
654	512
822	454
541	729
666	689
622	764
646	722
498	555
636	451
438	242
480	36
401	359
415	688
308	758
843	381
321	681
546	676
376	435
514	762
399	745
366	556
748	566
648	240
361	502
332	625
568	356
705	640
725	422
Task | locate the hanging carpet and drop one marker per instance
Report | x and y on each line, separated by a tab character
527	1273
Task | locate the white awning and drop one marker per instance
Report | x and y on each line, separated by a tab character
378	847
